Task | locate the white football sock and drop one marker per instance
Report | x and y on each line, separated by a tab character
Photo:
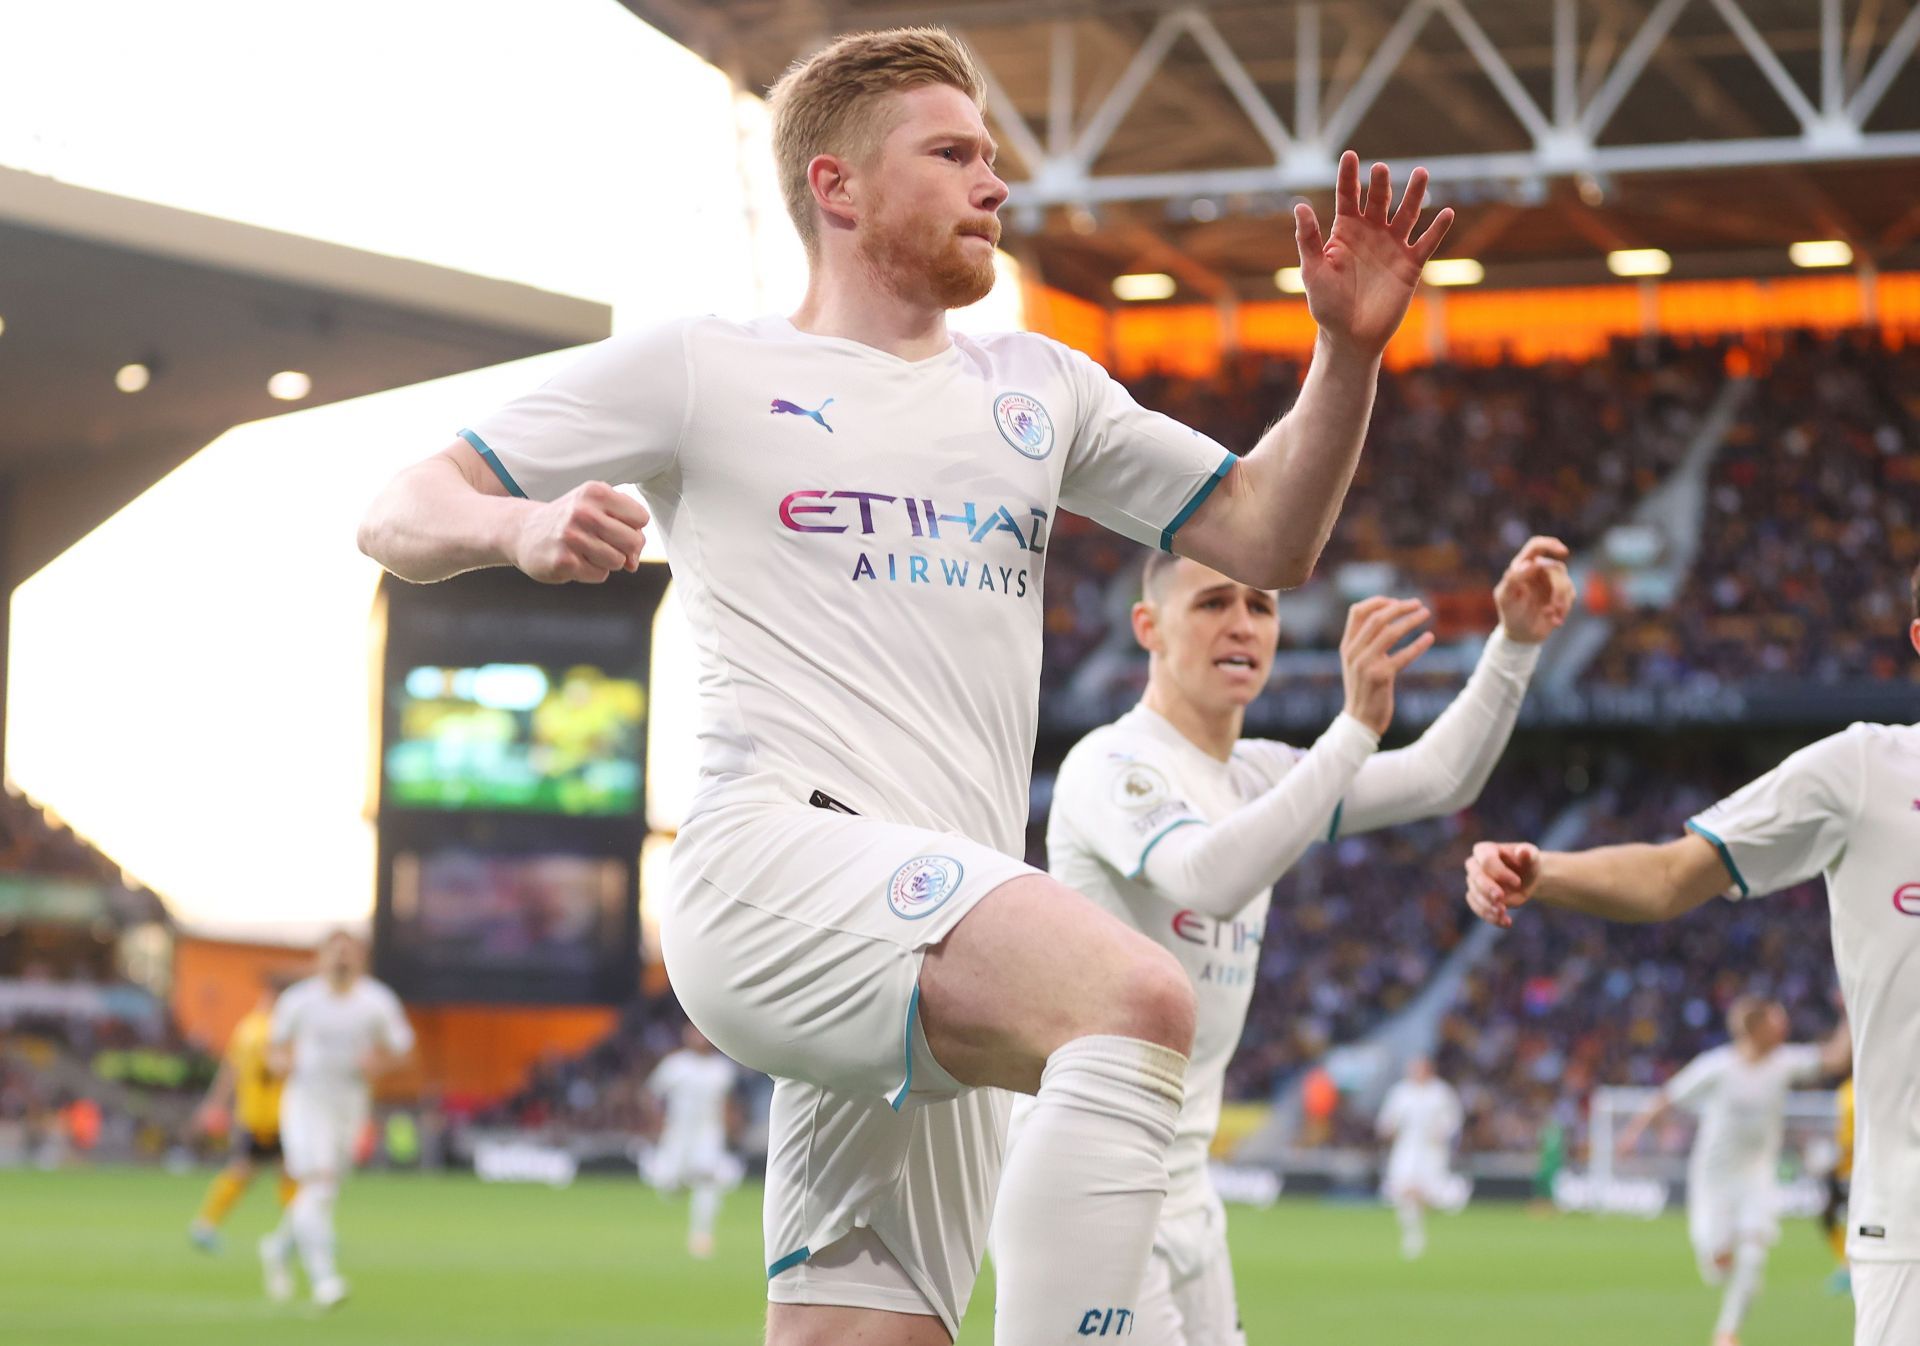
1413	1228
311	1216
706	1205
1749	1261
1082	1191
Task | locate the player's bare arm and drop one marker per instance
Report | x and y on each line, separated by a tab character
449	514
1633	883
1646	1117
1271	517
381	1061
1836	1053
218	1098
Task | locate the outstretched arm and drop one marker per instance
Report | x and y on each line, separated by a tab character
1634	883
451	513
1445	769
1646	1117
1271	517
1213	868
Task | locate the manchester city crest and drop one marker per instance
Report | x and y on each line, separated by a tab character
1024	423
922	886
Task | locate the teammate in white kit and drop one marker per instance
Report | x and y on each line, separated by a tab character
693	1087
856	505
1178	826
1740	1092
1847	807
1421	1115
332	1036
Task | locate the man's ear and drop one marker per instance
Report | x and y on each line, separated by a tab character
830	179
1146	626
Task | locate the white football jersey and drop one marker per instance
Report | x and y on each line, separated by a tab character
1848	807
1120	790
1742	1105
1421	1115
693	1087
859	541
332	1033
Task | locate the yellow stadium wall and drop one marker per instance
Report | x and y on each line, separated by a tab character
1481	326
215	982
464	1050
486	1050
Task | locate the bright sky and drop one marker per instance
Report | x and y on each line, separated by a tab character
564	144
206	722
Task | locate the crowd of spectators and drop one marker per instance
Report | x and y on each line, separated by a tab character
1812	529
90	1064
599	1091
1811	525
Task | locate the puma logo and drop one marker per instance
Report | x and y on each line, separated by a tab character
783	407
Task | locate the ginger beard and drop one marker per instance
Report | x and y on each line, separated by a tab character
925	259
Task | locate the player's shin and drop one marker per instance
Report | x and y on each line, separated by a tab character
1749	1262
1082	1192
311	1216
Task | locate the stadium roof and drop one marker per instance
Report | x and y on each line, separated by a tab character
1150	135
90	282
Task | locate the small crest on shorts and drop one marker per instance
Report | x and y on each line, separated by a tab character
922	886
1139	786
1024	423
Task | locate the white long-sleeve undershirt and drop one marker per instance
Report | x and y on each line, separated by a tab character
1217	868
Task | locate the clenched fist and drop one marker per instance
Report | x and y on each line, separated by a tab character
585	535
1501	875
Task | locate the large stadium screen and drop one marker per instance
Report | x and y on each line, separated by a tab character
469	924
520	737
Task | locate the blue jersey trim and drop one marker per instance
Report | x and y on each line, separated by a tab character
1141	868
792	1259
1726	857
1199	499
913	1012
1333	828
493	461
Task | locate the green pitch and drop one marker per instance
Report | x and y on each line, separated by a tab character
95	1257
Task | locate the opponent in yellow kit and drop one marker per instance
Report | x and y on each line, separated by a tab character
250	1092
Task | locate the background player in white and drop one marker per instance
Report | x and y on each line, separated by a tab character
1178	826
694	1087
848	913
1847	807
333	1034
1421	1115
1740	1092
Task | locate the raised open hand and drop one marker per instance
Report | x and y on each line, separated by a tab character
1535	595
1360	278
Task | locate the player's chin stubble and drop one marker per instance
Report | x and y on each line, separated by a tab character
925	259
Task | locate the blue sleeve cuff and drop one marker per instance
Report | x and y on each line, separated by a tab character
1726	857
1199	499
492	460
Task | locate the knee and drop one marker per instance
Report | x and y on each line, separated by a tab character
1155	999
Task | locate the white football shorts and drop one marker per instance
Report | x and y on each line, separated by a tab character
319	1128
1886	1303
794	940
1723	1210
